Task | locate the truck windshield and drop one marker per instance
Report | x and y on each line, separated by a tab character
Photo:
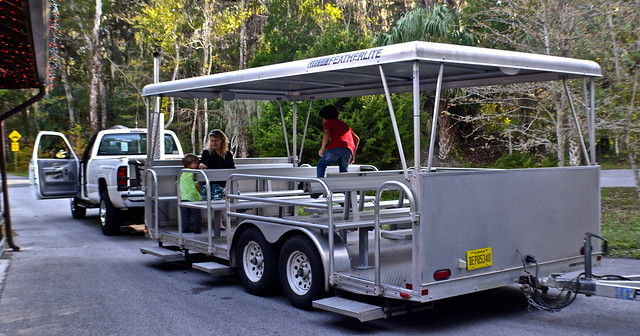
132	144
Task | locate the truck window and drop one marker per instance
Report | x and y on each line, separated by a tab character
170	146
53	147
132	144
123	144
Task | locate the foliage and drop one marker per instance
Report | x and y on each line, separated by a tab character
621	221
288	32
440	24
515	160
368	116
205	36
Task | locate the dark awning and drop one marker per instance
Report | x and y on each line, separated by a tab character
24	28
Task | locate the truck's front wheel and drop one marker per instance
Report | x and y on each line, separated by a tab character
77	211
257	263
301	272
109	216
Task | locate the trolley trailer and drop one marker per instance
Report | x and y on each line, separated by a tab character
445	231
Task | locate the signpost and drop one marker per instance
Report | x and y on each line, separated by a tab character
15	146
15	136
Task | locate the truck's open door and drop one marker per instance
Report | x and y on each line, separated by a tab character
53	169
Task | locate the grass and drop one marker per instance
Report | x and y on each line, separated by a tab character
18	173
620	210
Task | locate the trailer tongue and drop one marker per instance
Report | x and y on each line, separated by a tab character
445	232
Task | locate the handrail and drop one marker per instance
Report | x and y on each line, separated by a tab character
414	216
154	199
216	229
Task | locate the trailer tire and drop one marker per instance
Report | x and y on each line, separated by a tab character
301	272
77	211
257	263
110	216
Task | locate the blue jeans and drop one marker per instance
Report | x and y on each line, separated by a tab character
341	155
191	219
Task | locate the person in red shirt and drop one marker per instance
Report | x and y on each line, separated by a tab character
339	142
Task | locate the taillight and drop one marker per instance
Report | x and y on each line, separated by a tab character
122	178
442	274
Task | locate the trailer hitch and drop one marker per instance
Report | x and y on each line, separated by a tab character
588	249
613	286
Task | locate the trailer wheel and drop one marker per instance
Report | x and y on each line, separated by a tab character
257	263
109	216
77	211
301	272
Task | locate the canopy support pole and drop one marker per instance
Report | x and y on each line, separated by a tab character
417	163
294	133
577	122
284	130
304	133
396	132
434	124
592	144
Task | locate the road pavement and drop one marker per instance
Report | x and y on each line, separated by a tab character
617	178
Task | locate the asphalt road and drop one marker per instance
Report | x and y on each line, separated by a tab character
617	178
69	279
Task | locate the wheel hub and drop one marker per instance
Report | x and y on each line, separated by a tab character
257	260
299	275
253	261
303	271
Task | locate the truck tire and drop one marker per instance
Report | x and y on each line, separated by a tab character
110	216
257	263
301	272
77	211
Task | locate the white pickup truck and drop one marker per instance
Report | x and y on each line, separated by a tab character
108	176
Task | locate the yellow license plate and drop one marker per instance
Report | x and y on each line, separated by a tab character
479	258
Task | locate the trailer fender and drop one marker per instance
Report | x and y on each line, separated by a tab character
276	234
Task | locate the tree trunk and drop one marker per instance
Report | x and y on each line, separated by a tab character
64	76
193	127
447	132
242	62
95	69
204	135
172	112
172	101
632	146
575	151
103	104
614	45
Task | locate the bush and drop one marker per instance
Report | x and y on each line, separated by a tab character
515	160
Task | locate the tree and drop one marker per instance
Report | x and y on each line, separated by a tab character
546	27
439	24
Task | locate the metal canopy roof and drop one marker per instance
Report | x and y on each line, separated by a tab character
357	73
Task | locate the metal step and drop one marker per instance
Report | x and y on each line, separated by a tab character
360	310
213	268
163	253
404	234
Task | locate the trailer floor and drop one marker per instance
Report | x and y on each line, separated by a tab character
395	262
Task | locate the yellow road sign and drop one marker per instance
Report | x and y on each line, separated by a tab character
15	136
15	146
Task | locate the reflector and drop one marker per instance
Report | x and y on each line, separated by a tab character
442	274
